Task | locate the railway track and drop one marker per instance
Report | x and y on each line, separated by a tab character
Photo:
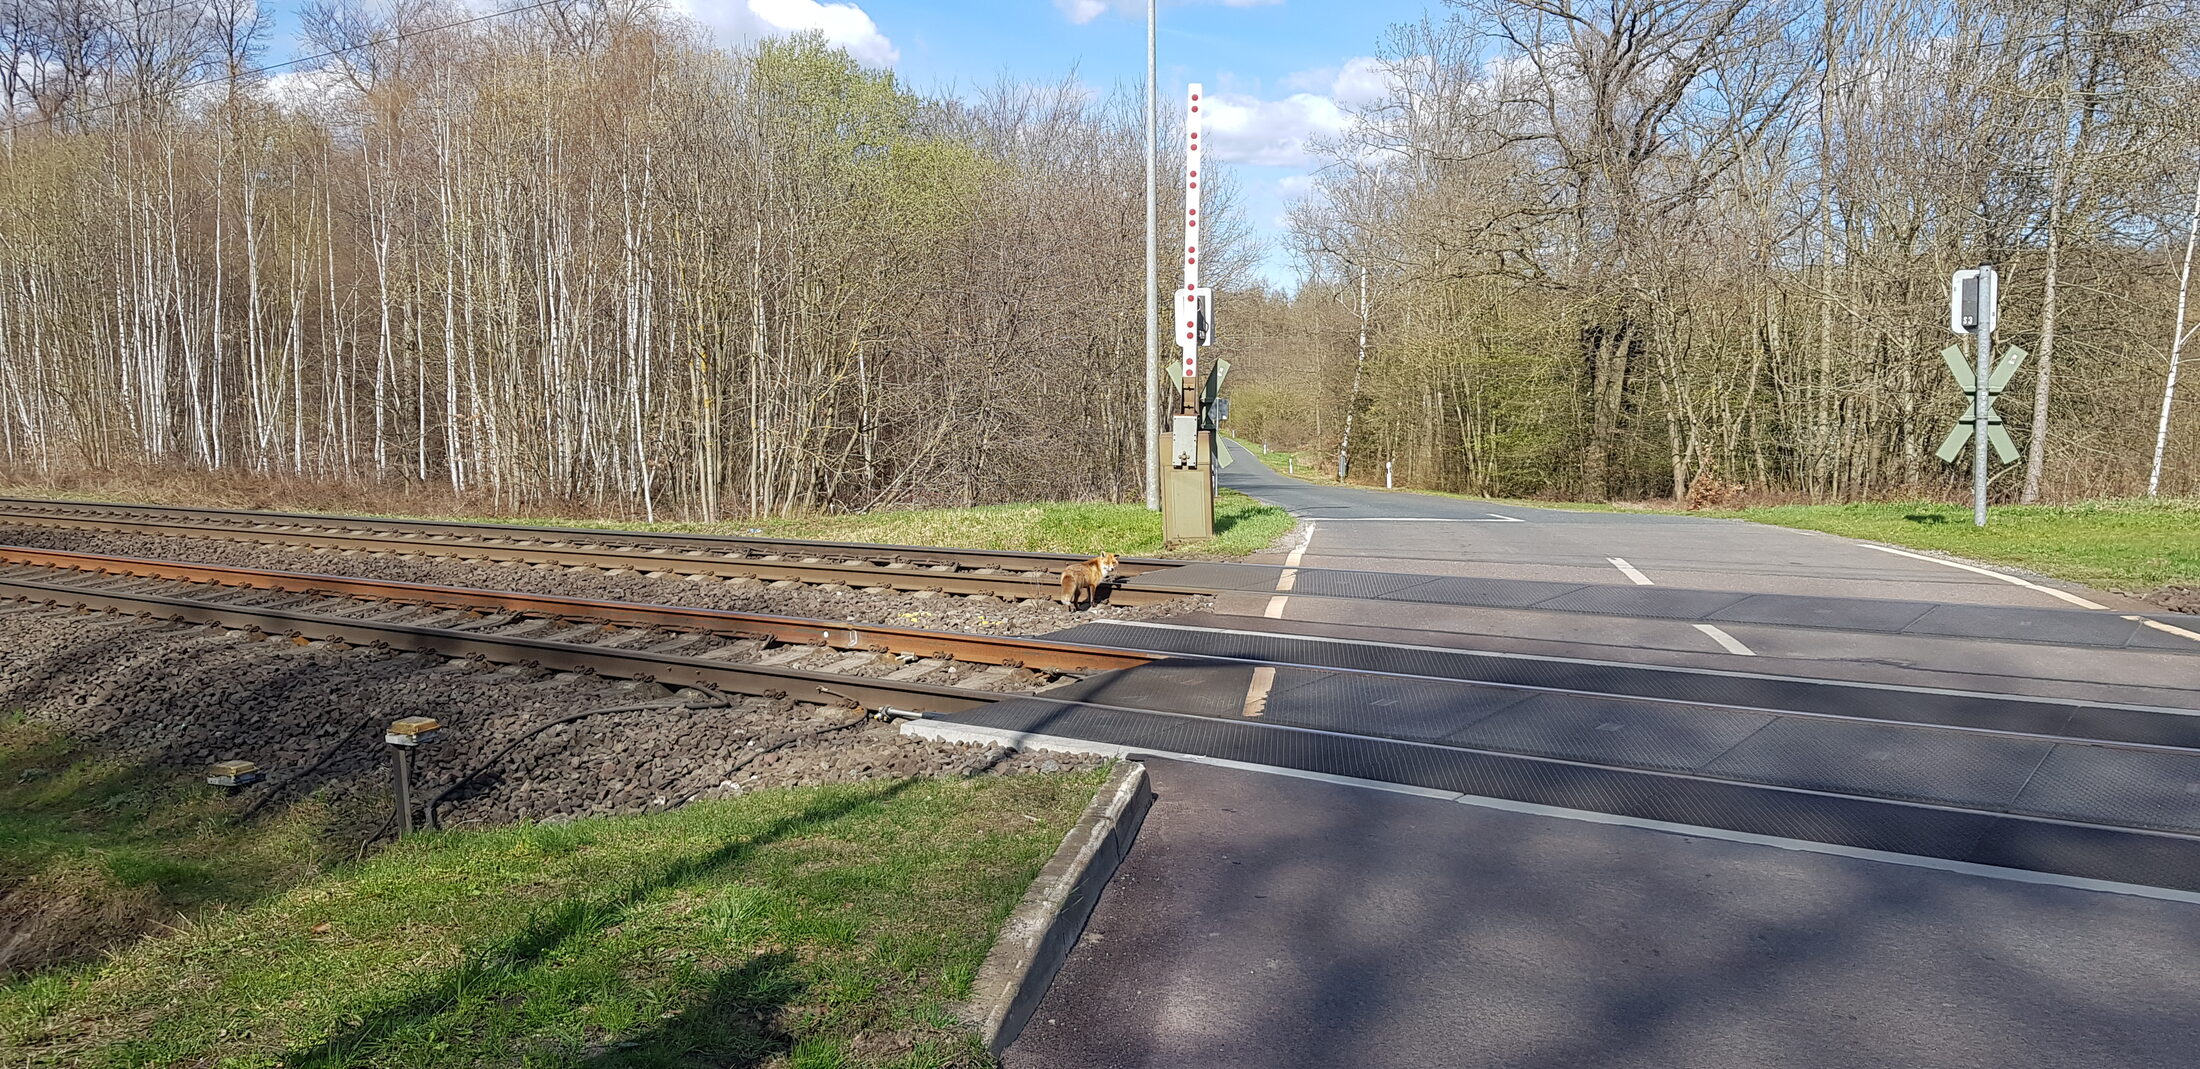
1010	576
826	662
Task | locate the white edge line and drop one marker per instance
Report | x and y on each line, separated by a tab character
1730	643
948	731
2160	626
1897	688
2003	576
1630	571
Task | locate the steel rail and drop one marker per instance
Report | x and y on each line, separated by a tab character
654	544
1037	654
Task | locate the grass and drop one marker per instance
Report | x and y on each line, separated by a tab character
813	927
1242	525
2125	544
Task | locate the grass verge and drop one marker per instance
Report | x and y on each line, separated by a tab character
2134	545
1242	525
812	927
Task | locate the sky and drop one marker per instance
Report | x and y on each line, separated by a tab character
1275	71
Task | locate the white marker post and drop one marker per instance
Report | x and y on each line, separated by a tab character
1187	511
1972	300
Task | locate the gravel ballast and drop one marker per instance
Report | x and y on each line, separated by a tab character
980	615
168	699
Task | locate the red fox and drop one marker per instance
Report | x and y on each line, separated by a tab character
1081	581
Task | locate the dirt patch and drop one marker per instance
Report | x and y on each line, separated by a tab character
982	615
41	924
2174	598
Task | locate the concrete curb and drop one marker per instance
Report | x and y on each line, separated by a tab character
1038	936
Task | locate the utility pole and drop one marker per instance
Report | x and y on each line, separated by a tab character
1152	368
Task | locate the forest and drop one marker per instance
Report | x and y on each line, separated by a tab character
1607	249
575	252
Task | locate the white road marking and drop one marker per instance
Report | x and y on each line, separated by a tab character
2003	576
1492	518
1732	644
952	732
2160	626
1630	572
1289	577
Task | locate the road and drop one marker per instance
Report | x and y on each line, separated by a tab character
1265	920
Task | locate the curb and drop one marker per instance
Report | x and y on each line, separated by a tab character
1039	934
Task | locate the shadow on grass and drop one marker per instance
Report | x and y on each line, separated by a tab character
1927	517
734	1019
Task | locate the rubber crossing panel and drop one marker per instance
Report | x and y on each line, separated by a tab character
2061	627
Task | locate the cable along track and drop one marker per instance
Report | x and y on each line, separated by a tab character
1012	576
828	662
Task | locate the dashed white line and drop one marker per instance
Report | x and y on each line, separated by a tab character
1289	577
2003	576
1732	644
1256	695
1630	571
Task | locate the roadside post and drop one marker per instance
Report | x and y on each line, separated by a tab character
402	738
1188	495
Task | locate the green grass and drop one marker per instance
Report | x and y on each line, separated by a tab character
2126	544
814	927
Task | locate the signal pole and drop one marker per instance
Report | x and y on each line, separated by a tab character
1188	497
1147	415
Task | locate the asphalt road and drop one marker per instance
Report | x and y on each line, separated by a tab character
1263	923
1266	921
1374	529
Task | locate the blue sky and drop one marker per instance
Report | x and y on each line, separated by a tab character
1275	69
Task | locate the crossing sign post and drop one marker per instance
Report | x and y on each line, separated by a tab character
1973	299
1187	481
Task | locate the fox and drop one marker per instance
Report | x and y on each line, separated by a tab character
1081	581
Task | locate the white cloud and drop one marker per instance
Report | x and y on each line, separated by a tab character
1082	11
845	25
1360	80
1270	133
